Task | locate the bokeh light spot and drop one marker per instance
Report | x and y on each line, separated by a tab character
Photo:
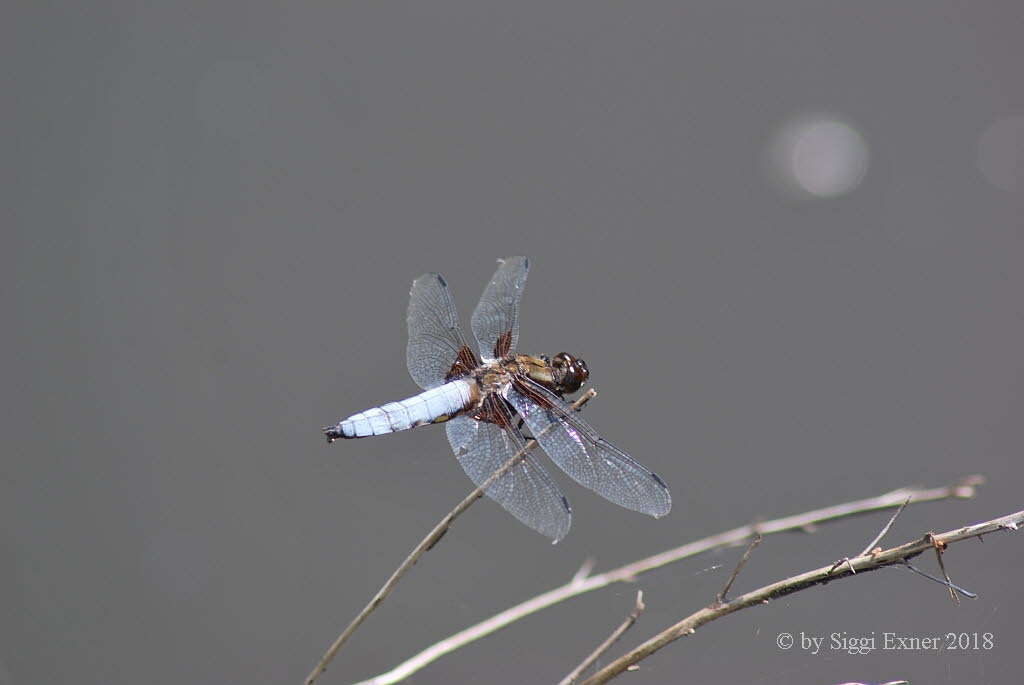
818	156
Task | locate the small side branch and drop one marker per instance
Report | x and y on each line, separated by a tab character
881	533
720	597
940	581
864	563
638	608
939	547
425	545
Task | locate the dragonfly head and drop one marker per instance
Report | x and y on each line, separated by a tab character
570	373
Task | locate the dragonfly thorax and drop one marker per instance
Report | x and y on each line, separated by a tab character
563	374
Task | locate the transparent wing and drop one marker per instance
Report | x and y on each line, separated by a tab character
437	348
589	459
495	320
527	491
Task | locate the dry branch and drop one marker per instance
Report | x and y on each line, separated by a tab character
582	582
863	563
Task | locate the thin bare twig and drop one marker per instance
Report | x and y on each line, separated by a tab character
424	546
584	570
638	608
881	533
720	597
942	566
863	563
940	581
965	488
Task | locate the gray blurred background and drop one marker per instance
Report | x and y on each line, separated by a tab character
787	238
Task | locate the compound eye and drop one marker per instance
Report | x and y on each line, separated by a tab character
574	373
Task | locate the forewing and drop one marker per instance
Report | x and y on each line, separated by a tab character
589	459
437	348
527	491
495	320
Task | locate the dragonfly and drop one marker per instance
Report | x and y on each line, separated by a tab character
485	400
